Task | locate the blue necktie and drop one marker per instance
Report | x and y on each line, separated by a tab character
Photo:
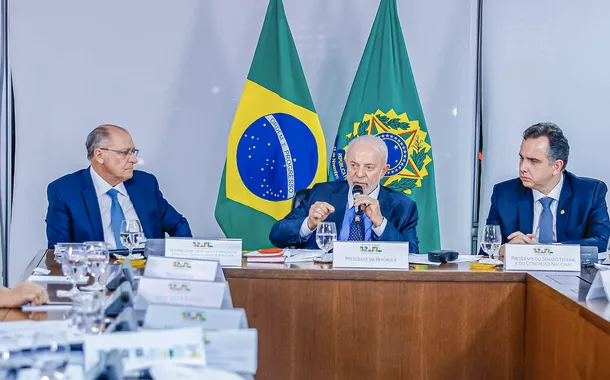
356	229
116	216
545	235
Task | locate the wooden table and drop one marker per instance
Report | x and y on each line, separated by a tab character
444	322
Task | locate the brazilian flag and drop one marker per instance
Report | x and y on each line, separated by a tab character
384	102
276	144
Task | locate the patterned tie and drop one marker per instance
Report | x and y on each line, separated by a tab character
116	216
545	235
356	229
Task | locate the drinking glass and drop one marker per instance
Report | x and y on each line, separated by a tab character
98	258
491	240
88	312
74	265
51	354
326	235
131	234
60	248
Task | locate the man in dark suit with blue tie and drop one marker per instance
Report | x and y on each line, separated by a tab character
547	204
387	215
91	203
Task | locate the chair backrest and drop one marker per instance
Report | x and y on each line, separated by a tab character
298	197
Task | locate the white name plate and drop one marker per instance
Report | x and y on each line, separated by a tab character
600	287
232	350
160	316
383	255
144	348
227	251
183	269
183	293
554	257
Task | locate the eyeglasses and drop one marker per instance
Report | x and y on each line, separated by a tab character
124	153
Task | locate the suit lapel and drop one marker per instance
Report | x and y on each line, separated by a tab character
139	205
338	198
563	209
385	203
93	206
526	211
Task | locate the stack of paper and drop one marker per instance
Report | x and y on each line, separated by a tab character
265	256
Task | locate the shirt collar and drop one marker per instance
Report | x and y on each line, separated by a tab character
555	193
350	199
102	187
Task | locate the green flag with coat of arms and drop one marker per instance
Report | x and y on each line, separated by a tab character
383	101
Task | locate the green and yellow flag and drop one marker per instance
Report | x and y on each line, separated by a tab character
276	145
384	102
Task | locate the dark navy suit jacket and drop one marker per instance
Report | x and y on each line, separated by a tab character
582	213
397	208
74	212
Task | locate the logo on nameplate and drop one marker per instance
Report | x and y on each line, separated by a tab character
179	287
182	264
203	244
542	251
193	316
176	352
370	248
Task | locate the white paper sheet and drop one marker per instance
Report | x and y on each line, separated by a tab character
54	279
24	331
301	255
62	306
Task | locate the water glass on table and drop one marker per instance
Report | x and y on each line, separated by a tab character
74	265
326	235
60	248
132	234
97	258
88	312
491	241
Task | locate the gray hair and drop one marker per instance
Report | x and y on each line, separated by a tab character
374	142
559	149
98	137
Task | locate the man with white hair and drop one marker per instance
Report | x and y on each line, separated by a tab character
387	215
90	204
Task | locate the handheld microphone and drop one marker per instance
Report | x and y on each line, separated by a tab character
357	190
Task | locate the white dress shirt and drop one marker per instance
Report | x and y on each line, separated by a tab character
305	231
104	200
555	193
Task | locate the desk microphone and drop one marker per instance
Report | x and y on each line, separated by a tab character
125	321
357	190
124	273
121	298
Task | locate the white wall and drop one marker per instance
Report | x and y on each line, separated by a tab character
545	60
172	73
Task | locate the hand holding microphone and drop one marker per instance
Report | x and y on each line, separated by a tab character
369	205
